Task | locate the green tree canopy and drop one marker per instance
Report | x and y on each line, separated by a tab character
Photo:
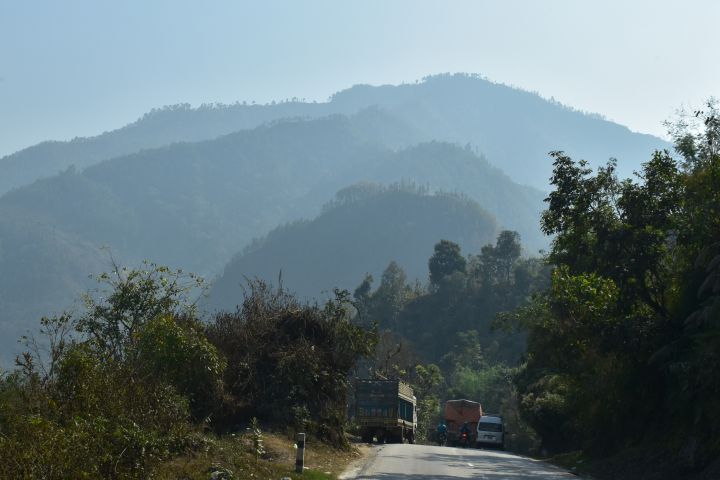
630	322
445	261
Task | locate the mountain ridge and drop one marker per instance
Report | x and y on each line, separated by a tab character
457	108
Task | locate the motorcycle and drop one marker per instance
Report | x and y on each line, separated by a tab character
442	439
464	440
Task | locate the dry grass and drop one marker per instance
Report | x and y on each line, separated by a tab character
318	456
233	454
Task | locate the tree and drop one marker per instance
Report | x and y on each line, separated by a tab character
363	298
285	356
467	351
129	298
507	252
175	351
390	297
445	261
427	380
496	264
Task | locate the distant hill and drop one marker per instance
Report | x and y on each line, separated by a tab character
362	231
44	269
160	127
515	129
446	167
194	205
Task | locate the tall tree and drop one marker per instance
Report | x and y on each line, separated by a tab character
507	252
391	296
496	263
446	260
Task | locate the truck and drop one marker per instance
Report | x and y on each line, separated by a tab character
459	412
386	410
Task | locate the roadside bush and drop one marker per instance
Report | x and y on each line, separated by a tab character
282	354
115	394
93	420
175	351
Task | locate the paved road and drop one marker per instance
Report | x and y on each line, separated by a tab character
423	462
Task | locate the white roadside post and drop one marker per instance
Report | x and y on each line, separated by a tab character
300	460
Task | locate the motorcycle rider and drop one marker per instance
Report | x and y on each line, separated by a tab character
465	433
442	432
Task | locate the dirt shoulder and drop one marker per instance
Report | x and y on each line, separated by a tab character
365	453
318	456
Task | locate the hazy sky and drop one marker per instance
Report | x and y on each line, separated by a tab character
79	67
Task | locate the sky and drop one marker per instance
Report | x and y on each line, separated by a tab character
81	67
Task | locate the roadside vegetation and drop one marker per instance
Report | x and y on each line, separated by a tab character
137	381
624	347
233	457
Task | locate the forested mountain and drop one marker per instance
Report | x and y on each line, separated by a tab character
194	205
365	228
42	267
514	128
177	123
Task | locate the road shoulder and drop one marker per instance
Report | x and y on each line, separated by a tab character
356	467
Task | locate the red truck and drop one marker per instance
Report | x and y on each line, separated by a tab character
457	413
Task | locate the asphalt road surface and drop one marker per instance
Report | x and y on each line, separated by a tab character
423	462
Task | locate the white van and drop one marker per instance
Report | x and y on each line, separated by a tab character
491	432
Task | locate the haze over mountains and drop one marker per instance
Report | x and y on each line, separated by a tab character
515	129
192	188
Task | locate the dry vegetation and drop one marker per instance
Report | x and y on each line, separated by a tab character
233	458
